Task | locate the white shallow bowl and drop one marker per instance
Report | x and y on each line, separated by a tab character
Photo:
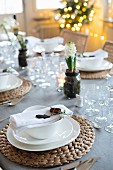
89	62
9	82
65	130
45	131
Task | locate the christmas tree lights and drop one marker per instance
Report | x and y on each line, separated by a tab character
75	14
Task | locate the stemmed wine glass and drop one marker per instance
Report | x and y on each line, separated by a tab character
102	100
101	118
91	100
110	86
109	127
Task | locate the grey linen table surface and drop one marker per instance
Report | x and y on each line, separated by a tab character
103	145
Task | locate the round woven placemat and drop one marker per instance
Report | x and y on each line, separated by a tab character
56	157
94	75
17	92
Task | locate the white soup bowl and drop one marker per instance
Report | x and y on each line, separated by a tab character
46	130
91	62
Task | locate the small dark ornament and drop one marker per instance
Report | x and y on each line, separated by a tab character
42	116
55	110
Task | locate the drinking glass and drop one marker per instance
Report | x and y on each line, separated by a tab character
103	102
7	52
91	99
110	86
60	76
109	127
53	68
32	65
43	66
110	82
83	95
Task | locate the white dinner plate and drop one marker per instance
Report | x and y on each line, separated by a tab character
65	130
9	82
106	65
44	147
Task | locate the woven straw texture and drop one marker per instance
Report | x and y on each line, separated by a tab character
17	92
56	157
94	75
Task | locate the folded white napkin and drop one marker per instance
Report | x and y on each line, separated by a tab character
97	53
28	118
58	40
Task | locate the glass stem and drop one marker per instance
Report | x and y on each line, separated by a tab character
102	111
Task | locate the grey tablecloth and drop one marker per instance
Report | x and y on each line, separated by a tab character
103	145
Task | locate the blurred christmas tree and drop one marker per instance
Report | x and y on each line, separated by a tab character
75	14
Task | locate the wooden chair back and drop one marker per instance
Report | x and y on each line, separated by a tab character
108	46
78	38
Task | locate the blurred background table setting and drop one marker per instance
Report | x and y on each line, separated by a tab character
94	64
12	87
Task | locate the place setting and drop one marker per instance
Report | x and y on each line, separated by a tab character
51	45
94	64
65	133
12	87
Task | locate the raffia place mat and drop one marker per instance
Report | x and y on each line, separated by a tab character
56	157
17	92
94	75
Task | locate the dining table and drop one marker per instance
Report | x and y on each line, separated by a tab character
49	96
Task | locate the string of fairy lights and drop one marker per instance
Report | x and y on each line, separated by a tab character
75	14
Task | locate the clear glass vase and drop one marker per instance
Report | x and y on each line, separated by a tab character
72	84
